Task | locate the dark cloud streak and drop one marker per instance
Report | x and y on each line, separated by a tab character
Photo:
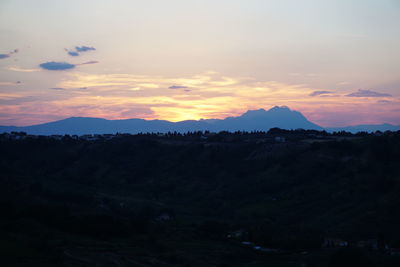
73	53
52	65
79	49
89	62
63	89
84	48
318	93
3	56
367	93
178	87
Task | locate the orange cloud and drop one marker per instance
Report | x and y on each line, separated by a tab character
122	96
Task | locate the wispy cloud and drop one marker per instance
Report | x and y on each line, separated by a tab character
88	62
84	48
75	52
178	87
10	83
62	89
383	101
368	93
5	96
318	93
19	69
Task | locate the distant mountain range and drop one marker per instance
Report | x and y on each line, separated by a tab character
252	120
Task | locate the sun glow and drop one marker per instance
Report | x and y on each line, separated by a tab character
202	96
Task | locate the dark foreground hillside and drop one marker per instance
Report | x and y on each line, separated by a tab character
278	199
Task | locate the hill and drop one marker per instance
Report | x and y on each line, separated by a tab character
366	128
172	200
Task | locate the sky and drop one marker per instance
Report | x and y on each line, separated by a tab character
337	62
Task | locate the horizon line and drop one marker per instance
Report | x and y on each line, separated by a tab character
201	119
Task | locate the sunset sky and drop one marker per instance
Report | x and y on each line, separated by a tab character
337	62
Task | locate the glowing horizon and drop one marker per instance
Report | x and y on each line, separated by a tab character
186	60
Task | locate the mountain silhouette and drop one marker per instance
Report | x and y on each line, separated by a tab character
280	117
252	120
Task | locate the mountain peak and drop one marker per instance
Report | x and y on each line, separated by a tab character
262	112
254	113
280	108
